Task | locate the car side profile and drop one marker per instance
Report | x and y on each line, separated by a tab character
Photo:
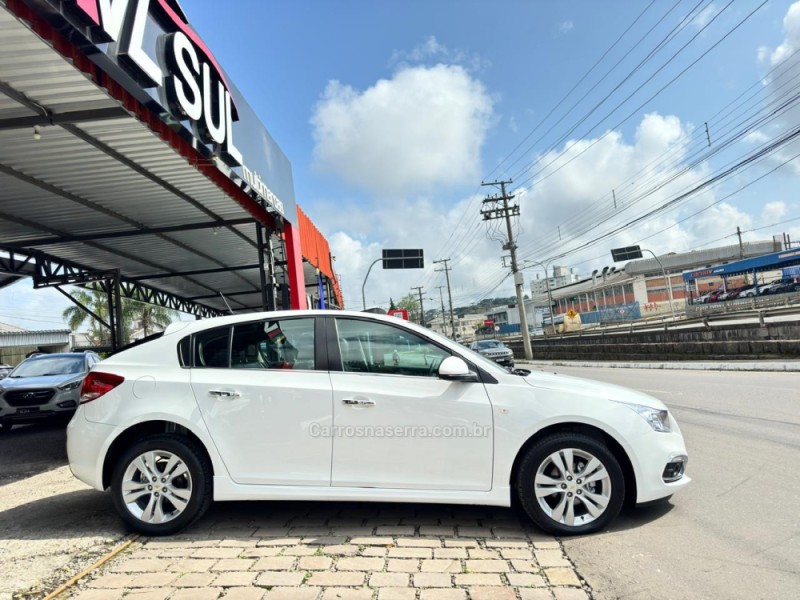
319	405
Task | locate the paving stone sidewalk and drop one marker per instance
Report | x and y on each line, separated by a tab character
306	551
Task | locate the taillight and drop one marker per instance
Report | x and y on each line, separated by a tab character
97	384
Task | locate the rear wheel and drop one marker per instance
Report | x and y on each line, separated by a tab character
162	484
570	484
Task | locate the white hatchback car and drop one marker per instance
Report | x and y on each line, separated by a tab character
313	405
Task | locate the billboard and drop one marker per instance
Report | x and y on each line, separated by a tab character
403	259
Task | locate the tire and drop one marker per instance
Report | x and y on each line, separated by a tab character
183	474
543	469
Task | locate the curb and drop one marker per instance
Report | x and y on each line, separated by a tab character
684	366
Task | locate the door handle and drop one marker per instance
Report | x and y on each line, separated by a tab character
357	402
223	394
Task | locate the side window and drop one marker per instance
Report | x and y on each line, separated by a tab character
378	348
274	344
211	348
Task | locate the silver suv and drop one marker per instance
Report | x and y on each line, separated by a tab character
494	350
42	387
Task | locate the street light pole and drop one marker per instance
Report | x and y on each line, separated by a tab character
549	293
667	282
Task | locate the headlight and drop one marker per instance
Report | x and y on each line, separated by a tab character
72	385
658	419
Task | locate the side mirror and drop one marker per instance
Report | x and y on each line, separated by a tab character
454	368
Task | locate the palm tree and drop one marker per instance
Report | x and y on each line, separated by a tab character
147	317
135	315
75	316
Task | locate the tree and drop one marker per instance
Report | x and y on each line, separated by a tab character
136	316
410	303
148	317
391	305
75	316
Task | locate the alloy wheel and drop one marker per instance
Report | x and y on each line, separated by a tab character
156	486
572	487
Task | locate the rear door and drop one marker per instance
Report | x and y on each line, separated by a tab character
265	395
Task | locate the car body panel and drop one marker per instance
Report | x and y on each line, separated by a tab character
405	411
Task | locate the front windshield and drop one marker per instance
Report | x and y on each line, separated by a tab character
52	365
484	344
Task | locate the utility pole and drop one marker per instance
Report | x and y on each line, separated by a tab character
741	248
446	270
441	298
499	208
421	308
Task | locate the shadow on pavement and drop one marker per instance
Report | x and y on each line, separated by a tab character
28	450
81	513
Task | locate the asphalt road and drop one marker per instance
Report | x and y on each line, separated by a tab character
735	532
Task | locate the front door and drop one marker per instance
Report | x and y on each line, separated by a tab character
396	424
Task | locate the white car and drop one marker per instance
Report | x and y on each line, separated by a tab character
315	405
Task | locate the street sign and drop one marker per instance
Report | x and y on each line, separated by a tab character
403	259
497	327
627	253
400	313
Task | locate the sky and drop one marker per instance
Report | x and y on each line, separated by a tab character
394	112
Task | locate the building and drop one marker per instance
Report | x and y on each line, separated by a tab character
465	325
17	343
562	276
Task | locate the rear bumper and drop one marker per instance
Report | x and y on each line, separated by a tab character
87	443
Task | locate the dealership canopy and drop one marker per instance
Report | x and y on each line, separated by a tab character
128	158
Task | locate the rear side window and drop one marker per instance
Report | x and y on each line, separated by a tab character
274	344
211	348
185	351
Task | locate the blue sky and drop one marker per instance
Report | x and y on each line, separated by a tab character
392	112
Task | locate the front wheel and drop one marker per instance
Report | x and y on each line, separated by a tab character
570	484
161	485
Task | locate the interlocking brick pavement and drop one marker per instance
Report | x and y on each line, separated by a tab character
305	551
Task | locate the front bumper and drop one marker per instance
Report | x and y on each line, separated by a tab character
654	453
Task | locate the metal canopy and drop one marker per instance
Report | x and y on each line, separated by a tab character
88	187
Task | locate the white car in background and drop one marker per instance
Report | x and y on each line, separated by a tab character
316	405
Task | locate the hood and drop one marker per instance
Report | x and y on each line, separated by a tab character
10	383
591	388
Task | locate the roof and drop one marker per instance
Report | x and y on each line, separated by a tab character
767	262
675	262
103	184
6	328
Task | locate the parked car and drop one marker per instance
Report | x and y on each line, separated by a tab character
494	350
749	292
5	370
312	405
44	386
783	287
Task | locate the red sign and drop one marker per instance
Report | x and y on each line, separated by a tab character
488	323
400	313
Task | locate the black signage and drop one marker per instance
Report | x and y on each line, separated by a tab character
627	253
403	259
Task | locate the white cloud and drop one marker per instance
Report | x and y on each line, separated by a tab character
566	26
431	52
782	62
421	129
705	16
773	212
